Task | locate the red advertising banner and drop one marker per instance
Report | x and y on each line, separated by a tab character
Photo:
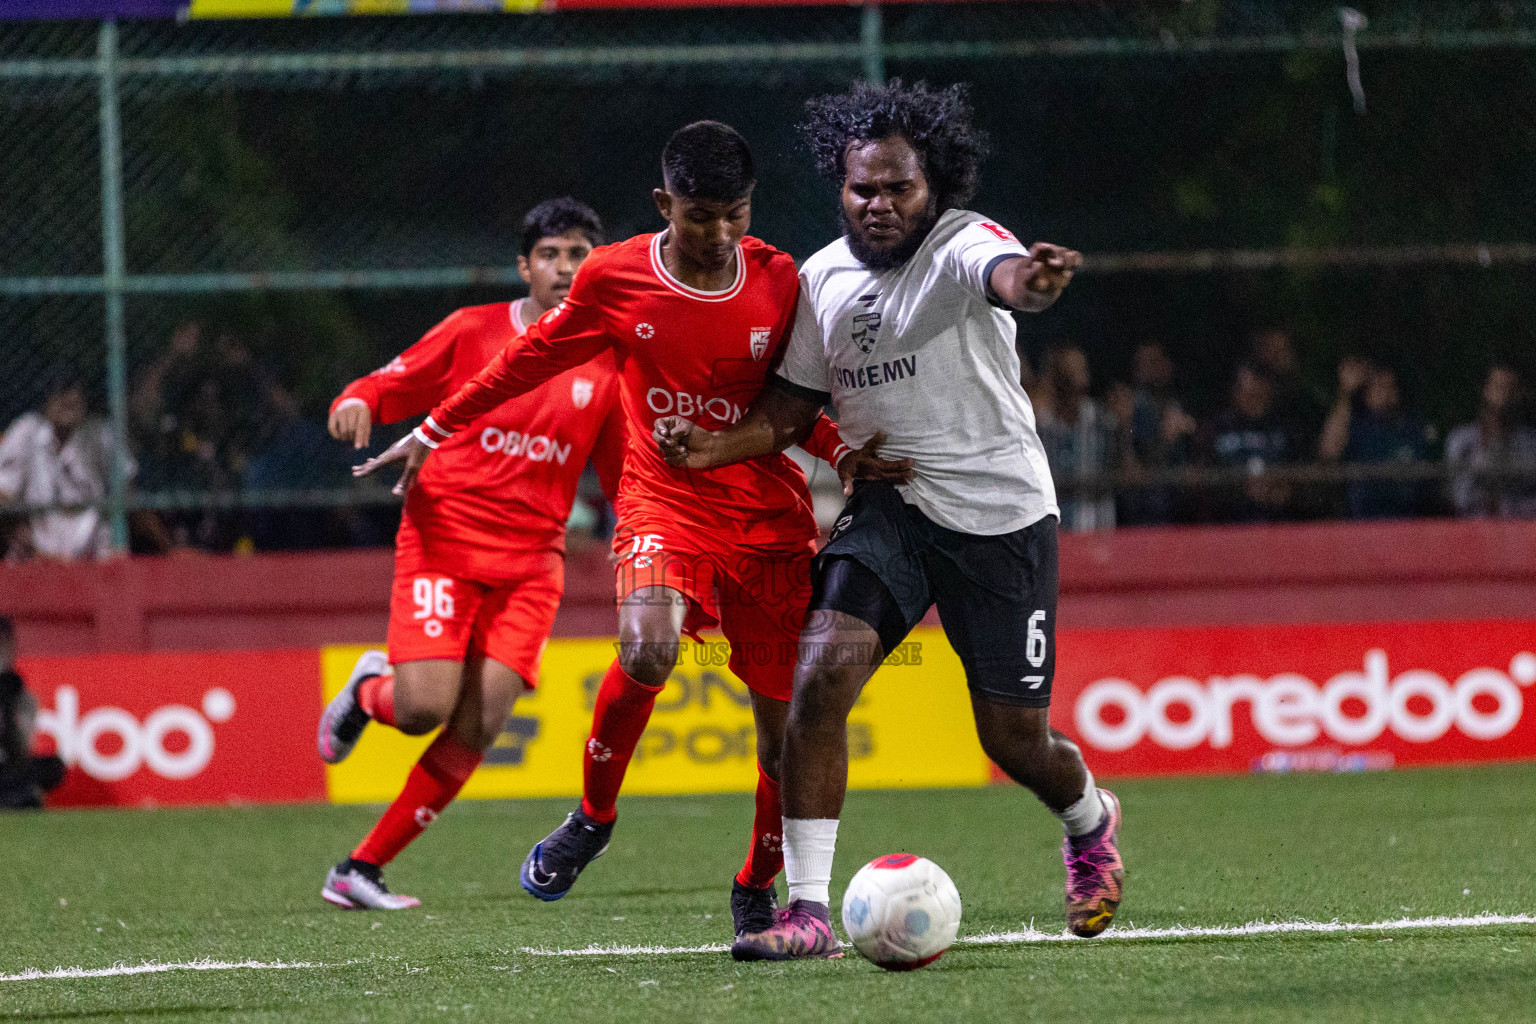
181	728
144	729
1297	698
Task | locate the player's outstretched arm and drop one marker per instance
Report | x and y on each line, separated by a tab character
1035	283
565	337
351	421
863	463
409	451
776	420
412	383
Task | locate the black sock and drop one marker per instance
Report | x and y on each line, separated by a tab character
372	872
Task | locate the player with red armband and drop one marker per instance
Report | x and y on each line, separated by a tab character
479	559
697	317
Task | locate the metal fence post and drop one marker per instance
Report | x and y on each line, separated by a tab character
114	270
872	42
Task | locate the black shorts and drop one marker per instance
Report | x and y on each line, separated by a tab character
886	564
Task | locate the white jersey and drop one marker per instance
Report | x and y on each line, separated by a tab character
922	353
37	470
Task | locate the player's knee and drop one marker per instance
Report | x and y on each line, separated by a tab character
498	693
1017	739
481	732
1016	753
819	703
770	754
649	660
414	717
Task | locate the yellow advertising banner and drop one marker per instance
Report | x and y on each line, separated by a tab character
301	8
911	728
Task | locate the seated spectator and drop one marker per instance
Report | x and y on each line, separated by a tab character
1368	425
24	776
61	457
201	412
293	454
162	381
1249	434
1273	354
1080	442
1155	434
1484	451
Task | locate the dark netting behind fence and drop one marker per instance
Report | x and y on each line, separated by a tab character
308	196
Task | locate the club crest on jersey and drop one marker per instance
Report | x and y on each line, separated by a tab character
581	392
866	330
759	339
644	331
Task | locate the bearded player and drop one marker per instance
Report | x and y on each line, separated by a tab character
905	324
697	316
479	559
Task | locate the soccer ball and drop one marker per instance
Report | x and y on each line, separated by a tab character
901	911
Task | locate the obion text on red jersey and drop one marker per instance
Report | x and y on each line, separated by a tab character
537	448
680	403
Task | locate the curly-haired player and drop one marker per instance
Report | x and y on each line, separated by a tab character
905	324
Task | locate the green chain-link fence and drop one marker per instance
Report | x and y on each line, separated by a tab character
293	202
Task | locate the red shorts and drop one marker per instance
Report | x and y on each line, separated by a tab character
757	596
435	615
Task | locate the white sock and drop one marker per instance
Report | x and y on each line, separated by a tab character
809	844
1084	816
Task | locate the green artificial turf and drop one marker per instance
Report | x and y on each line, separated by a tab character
90	889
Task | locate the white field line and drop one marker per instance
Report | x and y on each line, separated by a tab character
150	967
1032	936
1029	936
1239	931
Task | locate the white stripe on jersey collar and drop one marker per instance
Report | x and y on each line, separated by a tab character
659	267
515	312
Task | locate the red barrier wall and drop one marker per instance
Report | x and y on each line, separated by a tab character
1330	572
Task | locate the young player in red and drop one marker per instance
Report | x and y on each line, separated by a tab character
479	559
697	317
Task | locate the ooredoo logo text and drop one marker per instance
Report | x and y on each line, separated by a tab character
110	744
1288	709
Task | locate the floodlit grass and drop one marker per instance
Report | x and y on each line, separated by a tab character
91	889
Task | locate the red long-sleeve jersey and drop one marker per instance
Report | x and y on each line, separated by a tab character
680	351
497	494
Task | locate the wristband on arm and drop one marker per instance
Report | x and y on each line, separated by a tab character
430	434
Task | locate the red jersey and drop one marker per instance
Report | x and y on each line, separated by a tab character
498	494
680	351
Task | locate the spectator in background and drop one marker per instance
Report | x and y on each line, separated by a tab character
201	412
293	453
1080	441
1273	354
1250	435
167	375
60	456
171	432
1495	443
1156	434
1369	425
24	776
